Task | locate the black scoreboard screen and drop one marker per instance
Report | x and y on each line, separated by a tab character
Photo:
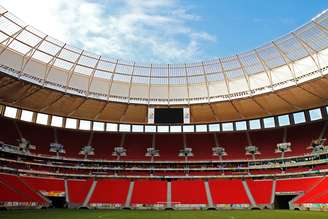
168	115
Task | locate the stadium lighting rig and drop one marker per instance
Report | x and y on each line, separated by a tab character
25	145
152	152
87	150
57	148
186	152
252	150
317	145
119	152
283	148
219	151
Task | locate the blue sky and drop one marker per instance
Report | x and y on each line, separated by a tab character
166	31
241	25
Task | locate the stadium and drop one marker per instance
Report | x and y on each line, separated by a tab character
212	139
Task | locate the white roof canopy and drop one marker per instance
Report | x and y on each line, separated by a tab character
30	55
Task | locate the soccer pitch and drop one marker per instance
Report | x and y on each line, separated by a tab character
139	214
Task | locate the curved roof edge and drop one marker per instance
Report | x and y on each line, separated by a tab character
295	58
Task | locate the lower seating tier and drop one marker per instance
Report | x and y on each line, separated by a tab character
137	193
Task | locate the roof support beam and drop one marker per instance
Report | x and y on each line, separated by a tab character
262	107
313	94
27	95
29	54
130	83
187	80
71	71
101	111
52	103
286	59
92	75
51	63
226	80
208	93
228	89
266	68
124	112
286	101
246	76
168	84
78	107
12	81
249	85
308	49
321	27
149	82
206	83
3	13
111	80
10	39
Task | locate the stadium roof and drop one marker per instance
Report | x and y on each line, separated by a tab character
287	74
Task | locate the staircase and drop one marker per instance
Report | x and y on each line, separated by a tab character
249	194
87	198
208	195
169	195
129	197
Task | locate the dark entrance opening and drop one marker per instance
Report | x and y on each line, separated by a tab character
282	201
58	202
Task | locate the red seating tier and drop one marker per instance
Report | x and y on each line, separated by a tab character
301	137
45	184
261	190
234	144
149	192
267	142
315	192
169	146
34	132
104	144
73	141
189	192
228	192
9	194
136	146
296	185
8	132
112	191
78	190
20	187
201	145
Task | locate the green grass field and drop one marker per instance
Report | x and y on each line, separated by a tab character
126	214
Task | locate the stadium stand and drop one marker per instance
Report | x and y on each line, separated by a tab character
146	193
44	184
78	190
234	144
104	144
314	192
110	192
261	191
296	185
202	146
169	146
27	193
189	192
149	192
228	192
8	194
222	156
136	146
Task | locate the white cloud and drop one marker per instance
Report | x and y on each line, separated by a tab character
141	30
